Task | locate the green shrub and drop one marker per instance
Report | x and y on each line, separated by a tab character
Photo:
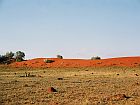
95	58
3	59
19	59
59	56
48	61
9	55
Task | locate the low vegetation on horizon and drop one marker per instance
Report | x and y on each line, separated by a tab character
58	81
11	57
15	60
19	56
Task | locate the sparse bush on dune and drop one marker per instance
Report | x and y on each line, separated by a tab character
95	58
48	61
19	56
2	59
9	55
7	58
60	56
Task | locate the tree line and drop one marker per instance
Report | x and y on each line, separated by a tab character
10	57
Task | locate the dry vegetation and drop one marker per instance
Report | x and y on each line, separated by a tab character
74	86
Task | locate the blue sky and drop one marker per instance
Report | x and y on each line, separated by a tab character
72	28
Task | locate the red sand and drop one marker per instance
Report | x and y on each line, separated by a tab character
39	62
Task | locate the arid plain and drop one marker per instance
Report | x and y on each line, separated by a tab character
95	85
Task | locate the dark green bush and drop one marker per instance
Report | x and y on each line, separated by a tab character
48	61
59	56
19	59
3	59
19	56
95	58
9	55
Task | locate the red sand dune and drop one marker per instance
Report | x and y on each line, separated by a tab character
39	62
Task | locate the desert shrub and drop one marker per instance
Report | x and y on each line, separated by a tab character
19	56
95	58
48	61
19	59
9	55
7	58
3	59
28	75
0	57
59	56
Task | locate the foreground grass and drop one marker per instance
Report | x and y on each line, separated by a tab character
77	86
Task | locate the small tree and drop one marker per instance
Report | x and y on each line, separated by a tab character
95	58
19	56
59	56
3	59
0	56
9	55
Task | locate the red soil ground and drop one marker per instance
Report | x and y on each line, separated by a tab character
39	62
